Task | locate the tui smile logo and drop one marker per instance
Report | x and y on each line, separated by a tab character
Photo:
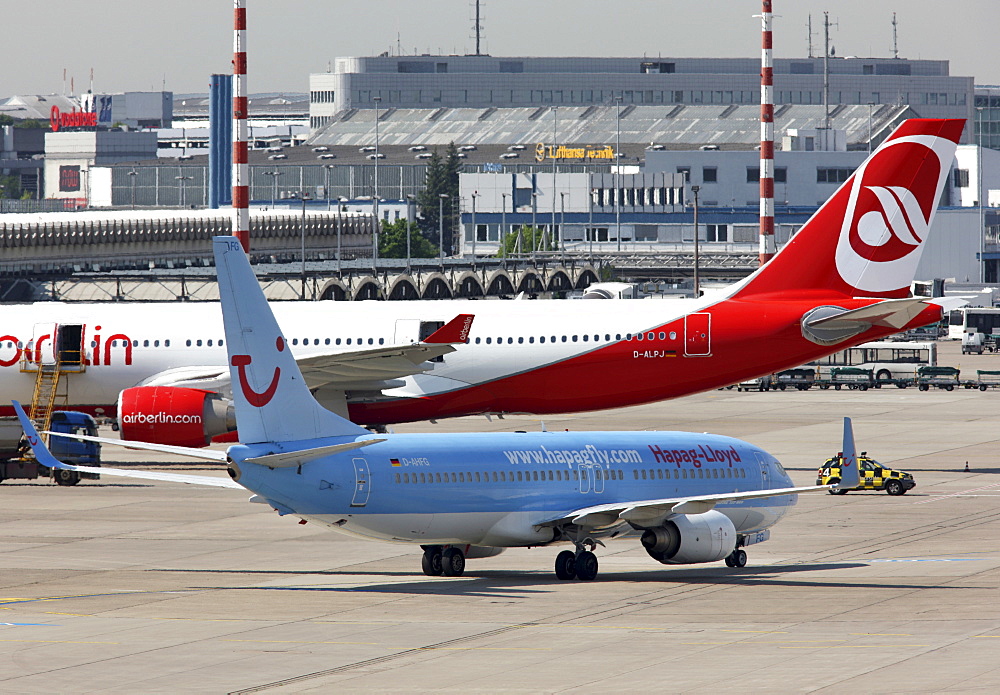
258	399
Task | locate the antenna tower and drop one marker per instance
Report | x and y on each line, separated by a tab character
477	26
895	46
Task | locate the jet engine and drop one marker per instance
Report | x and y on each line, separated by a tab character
691	538
174	415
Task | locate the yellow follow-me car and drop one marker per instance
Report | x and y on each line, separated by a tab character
874	476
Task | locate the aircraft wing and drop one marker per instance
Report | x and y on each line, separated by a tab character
45	458
367	369
370	368
893	313
654	512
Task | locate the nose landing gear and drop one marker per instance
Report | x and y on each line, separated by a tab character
737	558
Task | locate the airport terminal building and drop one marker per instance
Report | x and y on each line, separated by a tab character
485	82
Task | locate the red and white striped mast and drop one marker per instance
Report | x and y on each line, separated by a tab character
767	245
241	167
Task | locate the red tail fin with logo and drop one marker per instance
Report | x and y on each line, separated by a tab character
867	239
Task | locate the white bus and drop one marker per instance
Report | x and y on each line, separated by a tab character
887	360
974	319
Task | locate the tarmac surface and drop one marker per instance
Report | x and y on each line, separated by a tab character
120	585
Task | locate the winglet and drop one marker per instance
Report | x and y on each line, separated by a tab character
850	477
42	454
455	331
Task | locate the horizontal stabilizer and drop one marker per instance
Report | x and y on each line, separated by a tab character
291	459
204	454
891	313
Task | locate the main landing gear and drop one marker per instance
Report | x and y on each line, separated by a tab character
447	561
581	564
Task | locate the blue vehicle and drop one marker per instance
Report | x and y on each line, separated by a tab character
82	453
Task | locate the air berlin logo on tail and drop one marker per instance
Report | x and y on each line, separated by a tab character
257	399
885	224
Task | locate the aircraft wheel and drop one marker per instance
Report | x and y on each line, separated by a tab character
64	477
894	488
452	562
739	557
729	560
431	562
586	566
566	565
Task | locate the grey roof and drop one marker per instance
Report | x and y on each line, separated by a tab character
291	104
37	106
673	126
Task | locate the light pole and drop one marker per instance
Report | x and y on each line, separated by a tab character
562	225
274	190
870	105
131	175
326	183
341	202
591	232
555	135
409	222
697	291
441	199
182	179
302	236
534	222
614	172
503	225
979	191
475	230
375	201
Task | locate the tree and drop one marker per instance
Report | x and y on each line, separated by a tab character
392	241
10	187
531	238
442	178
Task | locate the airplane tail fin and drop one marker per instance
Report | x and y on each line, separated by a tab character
850	476
273	402
866	240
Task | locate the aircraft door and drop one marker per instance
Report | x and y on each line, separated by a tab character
43	341
69	343
407	331
765	480
591	478
598	478
697	335
362	482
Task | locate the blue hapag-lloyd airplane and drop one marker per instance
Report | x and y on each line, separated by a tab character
693	497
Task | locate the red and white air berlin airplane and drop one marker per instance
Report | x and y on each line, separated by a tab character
843	279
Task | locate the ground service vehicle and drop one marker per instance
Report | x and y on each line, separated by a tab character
887	360
13	463
873	476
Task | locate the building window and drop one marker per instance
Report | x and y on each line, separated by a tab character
710	175
686	171
716	232
511	66
833	174
961	178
